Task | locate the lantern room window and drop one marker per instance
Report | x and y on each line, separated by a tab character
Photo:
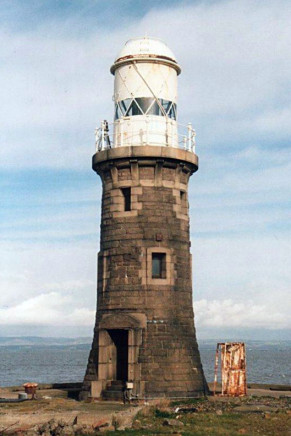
145	106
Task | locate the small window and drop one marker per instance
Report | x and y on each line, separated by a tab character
182	196
126	192
158	265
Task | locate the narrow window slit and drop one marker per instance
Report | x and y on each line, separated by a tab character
126	192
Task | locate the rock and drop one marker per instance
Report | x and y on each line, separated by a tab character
146	427
58	431
219	412
52	425
77	428
186	410
121	421
44	428
101	423
61	423
136	424
68	431
108	428
173	423
81	430
146	411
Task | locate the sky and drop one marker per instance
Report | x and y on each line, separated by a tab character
234	88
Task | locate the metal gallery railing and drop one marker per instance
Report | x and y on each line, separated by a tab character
117	134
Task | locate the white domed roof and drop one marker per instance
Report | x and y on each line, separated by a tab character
145	46
146	49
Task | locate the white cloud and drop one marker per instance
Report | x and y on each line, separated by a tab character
230	313
253	267
31	270
52	308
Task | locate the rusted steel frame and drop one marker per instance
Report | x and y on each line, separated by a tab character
215	369
224	381
233	368
245	382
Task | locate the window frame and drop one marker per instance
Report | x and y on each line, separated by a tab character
162	262
169	279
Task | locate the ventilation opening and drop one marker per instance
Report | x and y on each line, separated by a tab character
126	192
158	265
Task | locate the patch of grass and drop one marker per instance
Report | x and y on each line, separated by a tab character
130	432
163	414
211	424
187	402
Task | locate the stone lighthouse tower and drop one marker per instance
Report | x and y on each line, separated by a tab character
144	331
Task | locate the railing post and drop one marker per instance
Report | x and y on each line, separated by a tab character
185	141
193	141
96	139
102	135
121	132
189	136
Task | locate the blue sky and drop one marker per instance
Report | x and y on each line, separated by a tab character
234	88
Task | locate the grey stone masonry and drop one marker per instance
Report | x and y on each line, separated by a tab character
147	223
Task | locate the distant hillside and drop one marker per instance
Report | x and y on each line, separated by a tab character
19	341
36	340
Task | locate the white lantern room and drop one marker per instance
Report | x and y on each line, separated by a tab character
145	99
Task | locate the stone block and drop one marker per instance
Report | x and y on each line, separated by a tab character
96	388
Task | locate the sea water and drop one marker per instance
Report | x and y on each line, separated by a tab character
266	363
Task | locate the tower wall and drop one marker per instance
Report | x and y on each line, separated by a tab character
156	312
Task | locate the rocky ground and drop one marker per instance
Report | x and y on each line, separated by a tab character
265	412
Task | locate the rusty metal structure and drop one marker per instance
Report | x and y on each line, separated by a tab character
30	388
233	369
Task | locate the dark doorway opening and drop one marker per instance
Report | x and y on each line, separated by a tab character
120	340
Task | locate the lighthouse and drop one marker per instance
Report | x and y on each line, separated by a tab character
144	333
